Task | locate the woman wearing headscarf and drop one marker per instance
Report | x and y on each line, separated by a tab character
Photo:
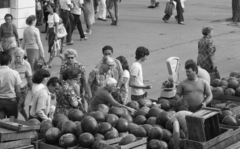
24	69
206	50
8	35
32	42
104	96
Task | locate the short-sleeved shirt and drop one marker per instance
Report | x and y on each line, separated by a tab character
64	4
8	80
102	96
136	78
97	78
194	92
180	117
52	19
76	9
7	30
202	73
24	69
124	88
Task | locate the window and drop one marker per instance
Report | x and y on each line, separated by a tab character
4	3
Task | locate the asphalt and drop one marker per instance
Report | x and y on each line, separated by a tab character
141	26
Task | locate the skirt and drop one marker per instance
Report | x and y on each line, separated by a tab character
33	57
89	13
8	45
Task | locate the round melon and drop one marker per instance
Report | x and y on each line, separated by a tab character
145	102
111	134
89	124
44	126
52	135
57	118
69	127
155	144
140	120
104	128
96	144
153	112
98	136
163	117
67	140
127	117
140	132
128	139
237	92
218	90
215	82
165	104
115	110
133	104
132	127
229	91
86	140
223	83
111	119
98	115
75	115
233	84
60	123
122	125
34	121
155	133
147	127
151	121
103	108
167	135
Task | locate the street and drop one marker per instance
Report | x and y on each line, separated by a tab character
141	26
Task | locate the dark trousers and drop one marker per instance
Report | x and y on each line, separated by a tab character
46	19
77	21
65	15
138	97
167	16
179	11
9	106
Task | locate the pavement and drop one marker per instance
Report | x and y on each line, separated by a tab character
141	26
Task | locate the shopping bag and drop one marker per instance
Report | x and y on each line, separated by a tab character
170	8
41	64
61	30
56	49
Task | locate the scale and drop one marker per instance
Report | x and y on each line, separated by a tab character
169	89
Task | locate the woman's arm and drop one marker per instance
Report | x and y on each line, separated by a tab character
16	34
23	42
86	86
176	134
1	33
39	42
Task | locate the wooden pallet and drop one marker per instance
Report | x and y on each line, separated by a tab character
141	143
26	147
229	135
203	125
15	144
225	98
18	125
43	145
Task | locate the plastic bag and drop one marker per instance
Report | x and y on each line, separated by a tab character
56	49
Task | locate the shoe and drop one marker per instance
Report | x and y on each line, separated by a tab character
99	18
85	38
164	20
88	32
64	45
151	6
181	23
114	23
104	19
70	43
176	18
108	16
43	32
157	4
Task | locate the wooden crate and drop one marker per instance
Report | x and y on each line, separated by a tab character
15	144
44	145
27	147
203	125
225	98
229	135
141	143
18	125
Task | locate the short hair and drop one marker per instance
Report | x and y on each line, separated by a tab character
19	50
39	75
5	58
30	19
108	60
141	52
8	15
191	64
207	30
70	73
180	105
107	47
52	5
54	81
69	52
124	62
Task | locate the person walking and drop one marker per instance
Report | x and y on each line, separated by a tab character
24	69
113	10
206	50
65	7
32	42
76	12
45	14
10	93
89	15
102	10
154	4
8	35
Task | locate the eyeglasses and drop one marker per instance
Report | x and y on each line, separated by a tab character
70	57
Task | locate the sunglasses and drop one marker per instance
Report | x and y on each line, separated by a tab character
70	57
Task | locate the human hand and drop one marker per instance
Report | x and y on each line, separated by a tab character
149	86
203	105
131	110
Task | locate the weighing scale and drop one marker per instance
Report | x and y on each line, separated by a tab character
169	89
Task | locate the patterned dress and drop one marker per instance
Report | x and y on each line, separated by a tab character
82	71
206	50
65	95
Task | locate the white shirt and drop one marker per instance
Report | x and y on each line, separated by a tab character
126	74
8	80
203	74
76	9
64	4
35	89
182	3
54	18
137	78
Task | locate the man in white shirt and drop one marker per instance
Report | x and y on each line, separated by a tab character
76	12
65	6
9	87
136	75
102	10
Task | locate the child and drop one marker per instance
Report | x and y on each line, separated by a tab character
172	4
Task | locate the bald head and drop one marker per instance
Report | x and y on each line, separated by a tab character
108	60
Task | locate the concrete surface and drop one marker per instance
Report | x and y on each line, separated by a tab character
140	26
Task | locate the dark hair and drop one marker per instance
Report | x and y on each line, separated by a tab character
8	15
39	75
107	47
52	5
30	19
180	105
70	73
141	52
54	81
191	64
124	62
5	58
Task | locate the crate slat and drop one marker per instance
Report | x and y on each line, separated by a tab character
135	144
15	144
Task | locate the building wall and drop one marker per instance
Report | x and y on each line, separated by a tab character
20	9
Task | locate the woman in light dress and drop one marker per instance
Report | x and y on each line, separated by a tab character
89	15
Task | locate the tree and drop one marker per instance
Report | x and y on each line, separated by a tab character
236	10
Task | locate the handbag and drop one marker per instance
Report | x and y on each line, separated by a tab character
61	31
41	64
56	49
170	8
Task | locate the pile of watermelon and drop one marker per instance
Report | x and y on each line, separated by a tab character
106	123
227	85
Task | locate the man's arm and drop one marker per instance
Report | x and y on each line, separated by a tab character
208	94
133	85
86	86
120	71
18	92
176	134
178	95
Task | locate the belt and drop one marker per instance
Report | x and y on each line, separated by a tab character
8	99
